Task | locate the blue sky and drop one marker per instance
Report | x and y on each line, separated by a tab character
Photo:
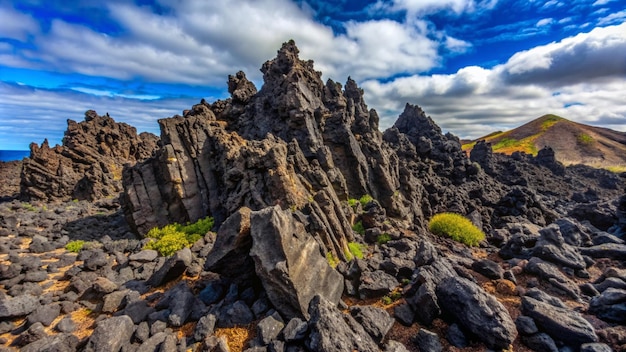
474	66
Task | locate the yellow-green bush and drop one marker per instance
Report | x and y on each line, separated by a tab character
174	237
456	227
75	246
355	250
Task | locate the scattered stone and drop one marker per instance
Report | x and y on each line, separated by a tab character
269	328
145	255
376	321
237	313
488	268
540	342
173	268
477	311
376	284
595	347
610	305
331	330
17	306
66	325
205	327
295	330
44	314
428	341
560	323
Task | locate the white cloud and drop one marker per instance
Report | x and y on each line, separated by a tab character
15	25
201	42
421	7
617	17
580	78
586	56
544	22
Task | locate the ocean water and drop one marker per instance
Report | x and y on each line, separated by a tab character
10	155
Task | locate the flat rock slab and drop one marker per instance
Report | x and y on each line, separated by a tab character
607	250
562	324
17	306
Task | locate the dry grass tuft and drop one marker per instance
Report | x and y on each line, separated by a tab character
237	337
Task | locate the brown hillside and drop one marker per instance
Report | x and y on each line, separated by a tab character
573	143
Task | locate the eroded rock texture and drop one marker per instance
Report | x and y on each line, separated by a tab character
89	164
307	146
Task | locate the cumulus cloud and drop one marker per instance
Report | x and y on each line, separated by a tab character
580	78
587	56
201	42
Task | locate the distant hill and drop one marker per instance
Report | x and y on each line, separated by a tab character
573	143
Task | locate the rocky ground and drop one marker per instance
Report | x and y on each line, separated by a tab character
277	169
544	289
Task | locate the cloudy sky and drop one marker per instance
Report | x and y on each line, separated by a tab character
475	66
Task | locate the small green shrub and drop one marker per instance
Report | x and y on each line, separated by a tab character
358	228
29	207
585	139
75	246
356	250
365	200
352	202
386	300
332	260
383	238
174	237
456	227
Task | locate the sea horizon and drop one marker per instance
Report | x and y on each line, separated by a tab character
12	155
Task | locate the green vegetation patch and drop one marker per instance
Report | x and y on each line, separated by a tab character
549	121
355	250
506	143
365	200
29	207
456	227
75	246
358	228
585	139
383	238
174	237
509	145
332	260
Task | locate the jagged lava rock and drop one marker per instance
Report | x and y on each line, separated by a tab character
289	263
89	164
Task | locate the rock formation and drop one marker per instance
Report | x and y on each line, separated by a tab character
281	170
88	165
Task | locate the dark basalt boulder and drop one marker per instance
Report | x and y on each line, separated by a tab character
561	323
289	263
478	312
332	330
88	165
